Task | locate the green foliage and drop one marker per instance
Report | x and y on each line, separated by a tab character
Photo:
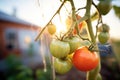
42	75
15	69
94	16
12	61
25	73
117	10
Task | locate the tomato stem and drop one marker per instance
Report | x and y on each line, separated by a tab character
91	75
53	69
68	33
100	16
80	8
99	20
74	18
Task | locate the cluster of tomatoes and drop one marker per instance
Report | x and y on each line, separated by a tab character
104	6
69	52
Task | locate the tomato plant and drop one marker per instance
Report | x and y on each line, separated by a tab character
85	60
74	43
51	28
103	37
59	49
62	66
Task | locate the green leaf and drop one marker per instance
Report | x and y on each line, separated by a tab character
94	16
117	11
60	0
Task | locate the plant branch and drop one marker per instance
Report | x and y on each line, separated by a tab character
91	75
90	30
100	16
69	31
99	20
66	9
73	23
80	9
38	36
84	38
77	24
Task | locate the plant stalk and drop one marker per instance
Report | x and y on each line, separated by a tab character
93	74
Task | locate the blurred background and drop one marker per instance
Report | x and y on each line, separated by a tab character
21	58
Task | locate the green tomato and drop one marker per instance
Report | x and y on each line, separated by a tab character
104	28
51	28
62	66
59	49
74	43
103	37
104	6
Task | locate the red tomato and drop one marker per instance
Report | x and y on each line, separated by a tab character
85	60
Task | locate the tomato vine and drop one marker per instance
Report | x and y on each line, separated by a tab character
94	73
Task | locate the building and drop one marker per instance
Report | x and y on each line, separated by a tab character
17	37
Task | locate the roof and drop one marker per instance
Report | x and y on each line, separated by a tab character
9	18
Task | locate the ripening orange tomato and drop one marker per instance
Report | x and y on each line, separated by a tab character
69	23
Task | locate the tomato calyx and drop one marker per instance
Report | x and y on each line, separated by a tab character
92	48
64	58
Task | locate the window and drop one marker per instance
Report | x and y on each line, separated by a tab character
11	39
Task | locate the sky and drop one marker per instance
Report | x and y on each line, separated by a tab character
39	12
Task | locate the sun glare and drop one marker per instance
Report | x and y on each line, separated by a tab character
60	24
